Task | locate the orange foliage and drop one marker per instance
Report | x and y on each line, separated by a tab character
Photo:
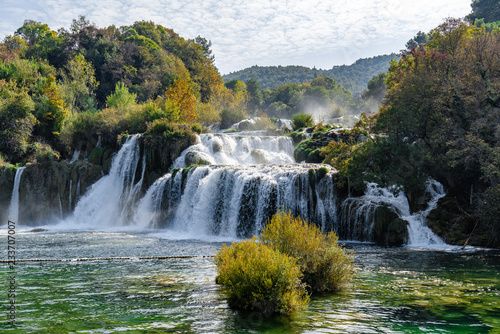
181	102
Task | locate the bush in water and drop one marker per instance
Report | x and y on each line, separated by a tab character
325	265
258	278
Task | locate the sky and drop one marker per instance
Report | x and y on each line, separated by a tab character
258	32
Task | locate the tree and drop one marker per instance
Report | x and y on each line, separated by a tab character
41	42
420	38
376	89
444	101
205	44
181	102
16	123
254	95
489	10
121	98
78	84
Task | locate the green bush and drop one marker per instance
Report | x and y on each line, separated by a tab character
231	116
302	120
258	278
309	151
326	266
45	153
80	127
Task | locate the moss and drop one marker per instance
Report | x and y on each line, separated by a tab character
309	151
96	156
7	175
297	137
175	171
322	171
162	149
232	130
193	158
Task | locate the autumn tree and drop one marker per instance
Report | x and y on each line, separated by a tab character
181	102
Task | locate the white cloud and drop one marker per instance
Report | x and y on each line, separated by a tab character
264	32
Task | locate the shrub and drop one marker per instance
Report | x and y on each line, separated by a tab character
231	116
79	127
45	153
302	120
3	161
326	266
258	278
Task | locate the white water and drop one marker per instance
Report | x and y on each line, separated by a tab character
104	202
219	149
358	218
235	196
234	201
75	156
14	200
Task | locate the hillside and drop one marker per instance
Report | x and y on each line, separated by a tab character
354	77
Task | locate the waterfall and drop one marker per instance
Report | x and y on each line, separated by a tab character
14	200
235	201
70	197
219	149
103	203
419	233
75	156
358	214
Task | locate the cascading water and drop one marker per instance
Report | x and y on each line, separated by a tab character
14	200
234	201
358	214
75	156
104	202
247	179
220	149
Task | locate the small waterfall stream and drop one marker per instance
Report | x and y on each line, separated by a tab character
14	201
358	219
104	202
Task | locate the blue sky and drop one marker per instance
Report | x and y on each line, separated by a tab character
257	32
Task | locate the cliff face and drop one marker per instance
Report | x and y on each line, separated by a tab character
50	191
7	174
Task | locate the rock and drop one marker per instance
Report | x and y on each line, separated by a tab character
45	189
259	156
38	230
195	158
7	175
450	224
389	228
216	147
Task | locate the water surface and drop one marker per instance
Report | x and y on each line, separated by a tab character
394	291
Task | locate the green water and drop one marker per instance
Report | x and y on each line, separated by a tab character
398	292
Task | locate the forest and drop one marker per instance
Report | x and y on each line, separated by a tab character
353	77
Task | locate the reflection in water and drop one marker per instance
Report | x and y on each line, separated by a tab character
396	292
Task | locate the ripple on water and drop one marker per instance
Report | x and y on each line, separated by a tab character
392	292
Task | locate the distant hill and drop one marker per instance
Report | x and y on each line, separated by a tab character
354	77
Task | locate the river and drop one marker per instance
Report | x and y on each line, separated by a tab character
394	290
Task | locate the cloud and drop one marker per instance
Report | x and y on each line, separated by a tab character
264	32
